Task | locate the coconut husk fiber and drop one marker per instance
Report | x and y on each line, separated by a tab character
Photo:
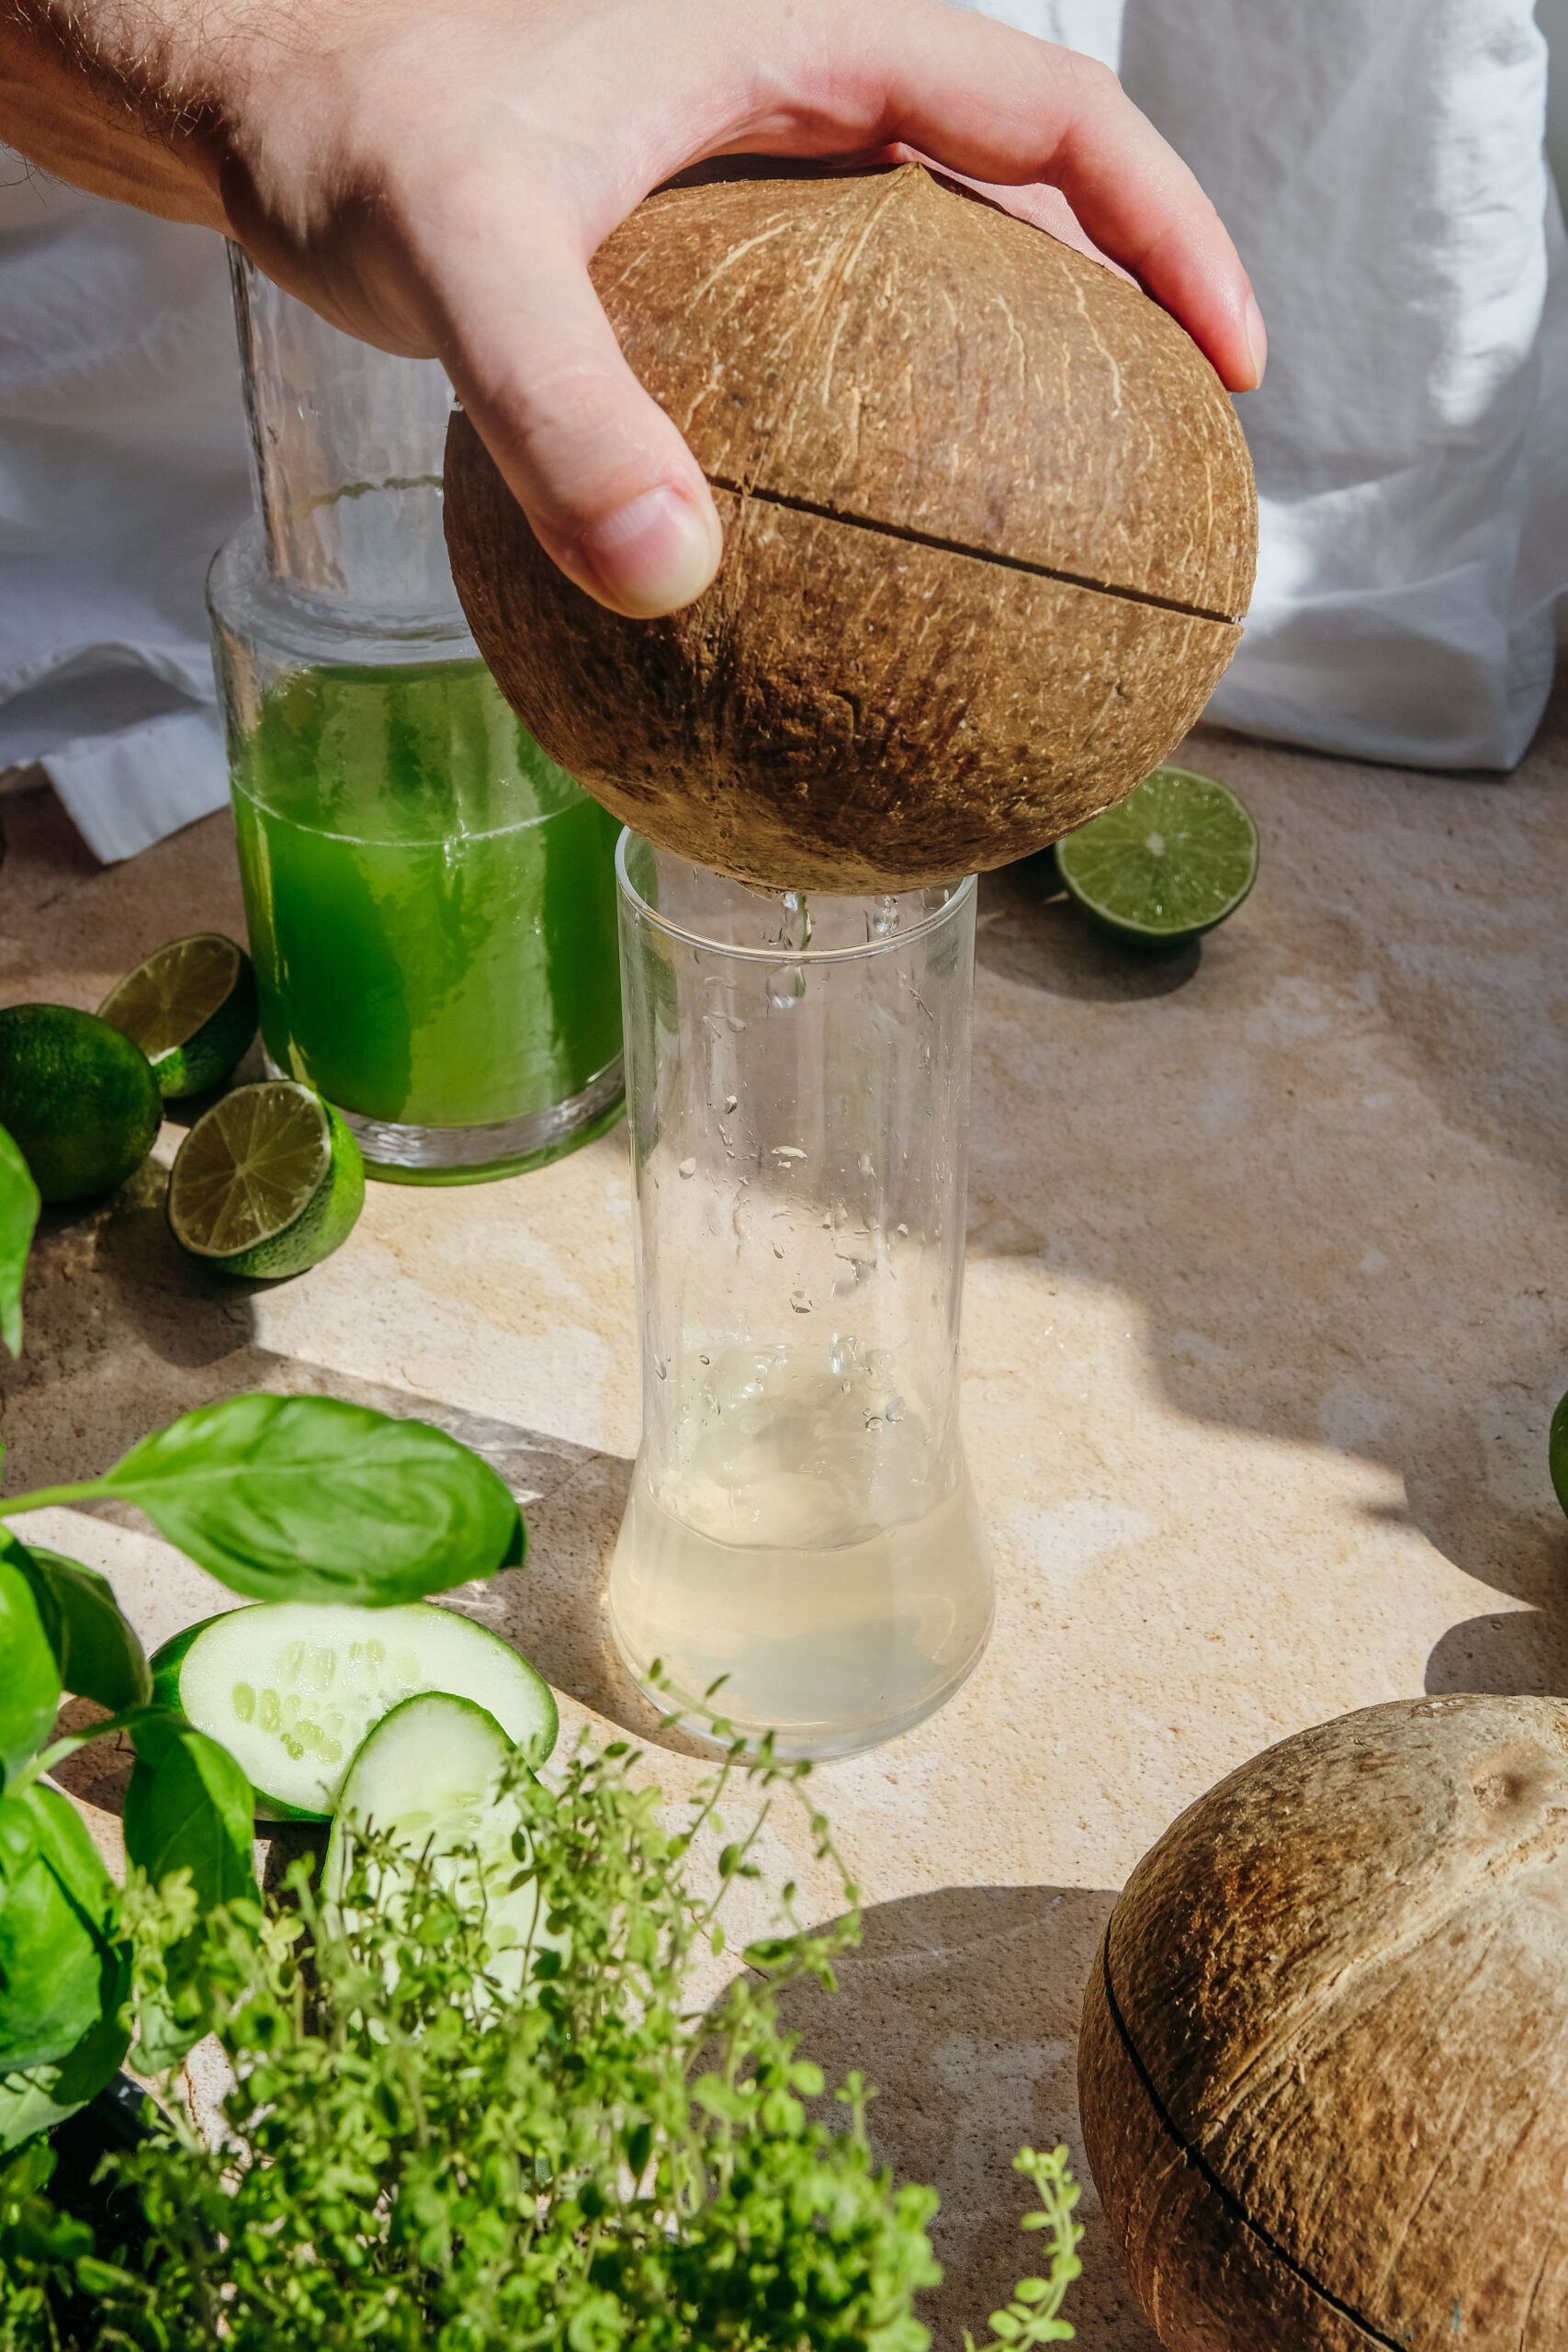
1324	2071
989	526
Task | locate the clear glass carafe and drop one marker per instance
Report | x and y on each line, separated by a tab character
431	901
801	1521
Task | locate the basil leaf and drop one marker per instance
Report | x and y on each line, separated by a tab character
96	1651
30	1682
189	1807
61	1968
34	2099
308	1499
19	1215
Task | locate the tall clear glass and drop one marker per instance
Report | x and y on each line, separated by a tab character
801	1521
429	899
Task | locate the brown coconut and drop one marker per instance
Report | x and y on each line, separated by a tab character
1324	2071
989	525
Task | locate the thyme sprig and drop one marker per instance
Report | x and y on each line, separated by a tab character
421	2149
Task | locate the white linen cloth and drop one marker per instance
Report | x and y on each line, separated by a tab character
122	466
1381	166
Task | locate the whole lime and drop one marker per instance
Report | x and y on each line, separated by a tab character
79	1099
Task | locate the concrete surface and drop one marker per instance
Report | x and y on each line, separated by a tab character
1264	1323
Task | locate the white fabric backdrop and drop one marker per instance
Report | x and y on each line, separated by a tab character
1380	164
122	465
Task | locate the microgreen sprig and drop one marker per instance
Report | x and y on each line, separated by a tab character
1032	2317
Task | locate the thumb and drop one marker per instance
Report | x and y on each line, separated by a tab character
613	493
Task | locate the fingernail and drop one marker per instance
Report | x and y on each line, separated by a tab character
654	554
1257	339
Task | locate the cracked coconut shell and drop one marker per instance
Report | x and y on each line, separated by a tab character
989	525
1324	2072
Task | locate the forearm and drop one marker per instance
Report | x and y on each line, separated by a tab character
120	96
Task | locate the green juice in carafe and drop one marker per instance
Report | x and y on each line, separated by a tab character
431	899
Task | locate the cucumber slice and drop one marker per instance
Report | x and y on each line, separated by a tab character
426	1776
291	1688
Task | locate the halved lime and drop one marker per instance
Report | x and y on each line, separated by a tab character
1166	864
77	1098
267	1182
192	1010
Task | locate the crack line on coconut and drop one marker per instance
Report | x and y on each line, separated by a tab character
912	537
1195	2156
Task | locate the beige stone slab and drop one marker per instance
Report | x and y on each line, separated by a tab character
1264	1322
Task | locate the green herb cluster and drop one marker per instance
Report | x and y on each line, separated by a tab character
418	2156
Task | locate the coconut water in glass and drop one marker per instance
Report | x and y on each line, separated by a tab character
801	1528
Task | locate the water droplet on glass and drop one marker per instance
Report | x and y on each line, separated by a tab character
731	1103
688	1168
800	1302
778	1249
894	1412
883	920
787	986
795	921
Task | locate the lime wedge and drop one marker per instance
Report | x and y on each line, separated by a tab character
192	1010
267	1182
1166	864
77	1098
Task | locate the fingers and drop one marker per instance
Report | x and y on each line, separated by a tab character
998	106
611	490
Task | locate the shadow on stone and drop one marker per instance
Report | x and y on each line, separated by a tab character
963	2005
1518	1654
189	1314
1029	931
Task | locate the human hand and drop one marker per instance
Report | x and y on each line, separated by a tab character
436	178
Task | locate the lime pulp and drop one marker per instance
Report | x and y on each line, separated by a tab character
1166	864
192	1010
268	1182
